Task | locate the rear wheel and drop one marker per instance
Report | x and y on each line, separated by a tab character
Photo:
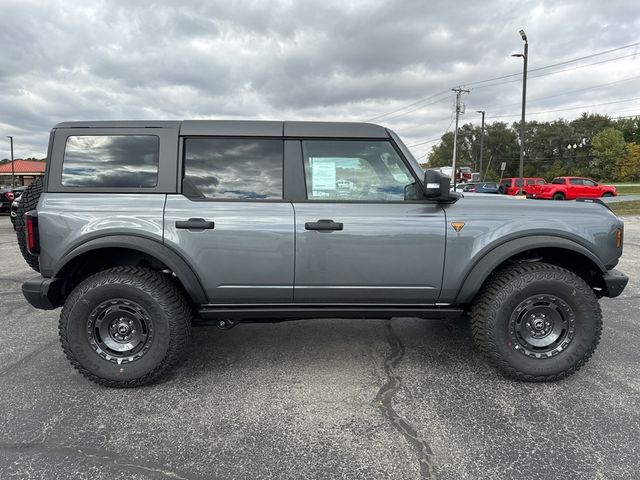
558	196
28	202
536	322
124	327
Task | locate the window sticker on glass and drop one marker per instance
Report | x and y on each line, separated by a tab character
323	175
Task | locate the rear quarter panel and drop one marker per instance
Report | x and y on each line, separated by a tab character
67	221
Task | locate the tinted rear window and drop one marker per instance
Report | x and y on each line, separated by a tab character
558	181
235	168
111	161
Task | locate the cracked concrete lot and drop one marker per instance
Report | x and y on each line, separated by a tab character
406	398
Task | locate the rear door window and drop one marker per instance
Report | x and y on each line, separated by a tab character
111	161
234	168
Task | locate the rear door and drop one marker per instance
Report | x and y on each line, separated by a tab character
231	221
362	234
576	189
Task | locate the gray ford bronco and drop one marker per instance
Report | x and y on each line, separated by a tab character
141	229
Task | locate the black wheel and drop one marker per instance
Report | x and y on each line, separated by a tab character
558	196
607	194
125	326
28	202
502	190
536	322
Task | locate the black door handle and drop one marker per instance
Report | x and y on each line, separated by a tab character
323	225
195	224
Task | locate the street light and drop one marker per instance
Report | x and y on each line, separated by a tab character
525	57
13	183
481	141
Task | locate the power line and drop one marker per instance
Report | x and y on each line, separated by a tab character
556	64
415	109
570	108
593	87
518	80
557	71
514	75
435	139
409	105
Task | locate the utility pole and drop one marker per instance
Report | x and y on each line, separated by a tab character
459	92
525	57
481	141
13	183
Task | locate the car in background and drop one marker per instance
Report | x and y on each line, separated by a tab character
570	188
7	196
460	187
511	186
482	187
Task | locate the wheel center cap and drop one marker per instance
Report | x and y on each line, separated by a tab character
538	324
123	328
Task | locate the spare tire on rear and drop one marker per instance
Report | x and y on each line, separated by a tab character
28	202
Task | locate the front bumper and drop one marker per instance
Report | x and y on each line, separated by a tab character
614	283
43	293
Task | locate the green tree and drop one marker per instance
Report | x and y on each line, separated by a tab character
442	154
608	148
629	164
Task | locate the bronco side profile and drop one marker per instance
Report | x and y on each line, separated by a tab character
140	229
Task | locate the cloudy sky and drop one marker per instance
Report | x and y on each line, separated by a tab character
347	60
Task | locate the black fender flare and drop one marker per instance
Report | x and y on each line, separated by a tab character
479	272
164	254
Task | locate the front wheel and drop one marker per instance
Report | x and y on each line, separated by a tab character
536	322
607	195
124	327
558	196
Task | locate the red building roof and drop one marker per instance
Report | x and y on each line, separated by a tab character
23	167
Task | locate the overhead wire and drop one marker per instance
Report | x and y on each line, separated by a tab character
479	82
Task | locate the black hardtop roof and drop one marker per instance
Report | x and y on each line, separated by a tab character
253	128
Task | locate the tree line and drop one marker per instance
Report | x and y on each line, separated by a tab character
593	145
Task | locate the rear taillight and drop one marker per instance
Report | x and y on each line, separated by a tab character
33	237
9	196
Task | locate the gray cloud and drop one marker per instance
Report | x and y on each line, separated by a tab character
328	60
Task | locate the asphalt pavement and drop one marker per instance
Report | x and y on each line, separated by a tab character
405	398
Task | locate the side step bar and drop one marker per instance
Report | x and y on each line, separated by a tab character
300	312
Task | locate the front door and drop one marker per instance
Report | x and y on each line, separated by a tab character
363	235
231	221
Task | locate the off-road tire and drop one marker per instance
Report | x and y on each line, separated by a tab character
558	196
169	317
28	202
495	306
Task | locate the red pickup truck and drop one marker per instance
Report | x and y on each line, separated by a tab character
511	186
570	188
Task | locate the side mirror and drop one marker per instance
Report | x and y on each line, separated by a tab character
436	185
